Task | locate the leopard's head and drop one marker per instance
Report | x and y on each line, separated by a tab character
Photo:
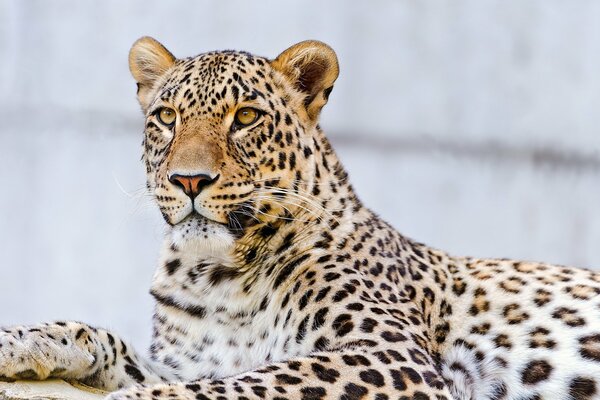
230	137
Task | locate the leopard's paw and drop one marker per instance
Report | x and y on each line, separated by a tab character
41	352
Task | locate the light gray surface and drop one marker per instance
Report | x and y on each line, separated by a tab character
48	390
470	125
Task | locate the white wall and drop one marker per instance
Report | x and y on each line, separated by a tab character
470	125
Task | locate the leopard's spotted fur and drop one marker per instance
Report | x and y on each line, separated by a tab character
275	282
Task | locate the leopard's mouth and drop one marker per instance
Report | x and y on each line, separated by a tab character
237	221
202	235
195	217
192	213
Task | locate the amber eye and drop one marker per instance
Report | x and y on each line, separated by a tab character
246	116
167	116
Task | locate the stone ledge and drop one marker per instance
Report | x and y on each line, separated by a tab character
53	389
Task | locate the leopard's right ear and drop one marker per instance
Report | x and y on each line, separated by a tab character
148	61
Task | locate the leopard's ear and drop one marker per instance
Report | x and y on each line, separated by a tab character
148	61
312	67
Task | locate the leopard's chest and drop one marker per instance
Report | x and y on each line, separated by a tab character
207	330
217	345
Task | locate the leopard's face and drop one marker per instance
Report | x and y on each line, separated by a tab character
210	119
229	134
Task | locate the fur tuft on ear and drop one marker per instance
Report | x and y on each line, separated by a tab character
312	67
148	61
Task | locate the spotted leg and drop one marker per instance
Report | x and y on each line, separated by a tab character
349	375
73	350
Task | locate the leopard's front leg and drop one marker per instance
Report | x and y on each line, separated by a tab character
374	375
72	350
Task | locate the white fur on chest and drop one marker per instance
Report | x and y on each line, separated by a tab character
236	332
217	346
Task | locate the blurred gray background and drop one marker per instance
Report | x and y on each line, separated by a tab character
471	125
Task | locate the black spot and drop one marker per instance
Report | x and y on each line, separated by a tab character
372	376
343	324
381	356
260	391
288	269
459	287
319	318
433	380
304	299
172	266
353	392
193	310
313	393
542	297
135	373
331	276
536	371
339	296
294	365
355	306
368	325
267	231
322	343
420	396
393	336
286	242
329	375
285	301
582	388
250	255
194	387
357	359
288	379
80	333
590	347
322	293
568	316
302	329
502	340
264	303
221	273
412	374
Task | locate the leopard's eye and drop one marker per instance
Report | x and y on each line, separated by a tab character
167	116
246	116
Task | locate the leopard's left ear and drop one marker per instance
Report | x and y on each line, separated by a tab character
312	67
148	61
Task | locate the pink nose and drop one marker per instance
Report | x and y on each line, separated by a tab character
192	185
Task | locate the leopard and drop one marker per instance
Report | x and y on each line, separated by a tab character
274	281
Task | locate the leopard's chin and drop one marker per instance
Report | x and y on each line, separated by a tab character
202	235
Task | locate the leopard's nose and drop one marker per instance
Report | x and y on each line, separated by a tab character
192	185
